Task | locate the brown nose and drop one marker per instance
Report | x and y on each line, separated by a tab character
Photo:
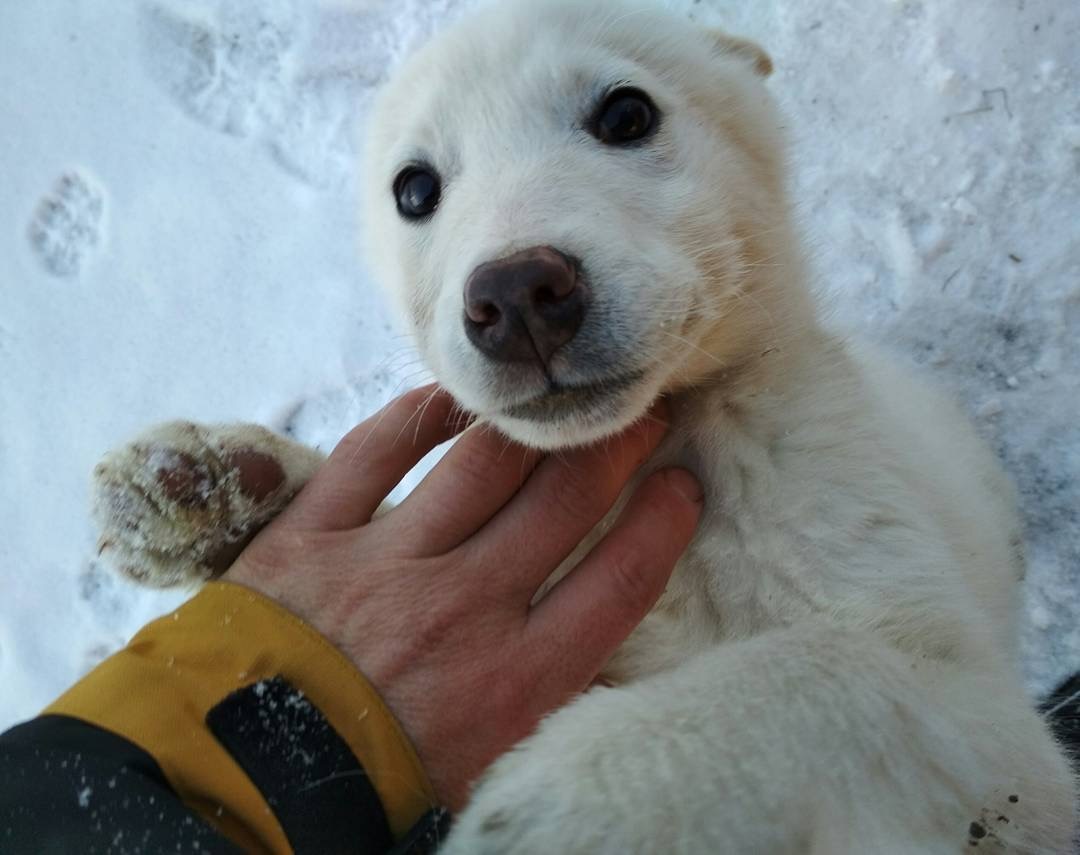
524	307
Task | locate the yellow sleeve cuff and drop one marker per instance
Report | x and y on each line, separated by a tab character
157	691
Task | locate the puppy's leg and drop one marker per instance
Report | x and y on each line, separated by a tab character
804	740
178	504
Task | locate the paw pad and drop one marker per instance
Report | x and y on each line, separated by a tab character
181	477
258	475
181	503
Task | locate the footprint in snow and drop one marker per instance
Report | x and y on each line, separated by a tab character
293	77
229	74
103	592
67	225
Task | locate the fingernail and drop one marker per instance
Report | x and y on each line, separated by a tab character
685	484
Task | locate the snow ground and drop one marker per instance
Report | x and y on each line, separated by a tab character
179	239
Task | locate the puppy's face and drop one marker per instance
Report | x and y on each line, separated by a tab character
567	200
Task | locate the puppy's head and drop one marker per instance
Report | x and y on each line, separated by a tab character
572	203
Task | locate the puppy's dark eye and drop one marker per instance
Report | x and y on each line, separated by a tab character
417	190
626	116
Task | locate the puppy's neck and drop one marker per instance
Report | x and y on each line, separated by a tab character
766	362
762	333
765	379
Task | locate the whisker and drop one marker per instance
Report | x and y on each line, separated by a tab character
423	412
693	346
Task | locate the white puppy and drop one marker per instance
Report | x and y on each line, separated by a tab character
580	206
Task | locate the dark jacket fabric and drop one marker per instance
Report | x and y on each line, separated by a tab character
227	726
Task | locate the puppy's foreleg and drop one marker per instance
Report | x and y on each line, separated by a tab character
804	740
178	504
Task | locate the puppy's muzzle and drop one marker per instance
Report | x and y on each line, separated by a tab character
524	307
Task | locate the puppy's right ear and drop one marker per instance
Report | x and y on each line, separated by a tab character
745	50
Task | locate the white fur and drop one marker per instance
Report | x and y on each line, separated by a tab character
833	666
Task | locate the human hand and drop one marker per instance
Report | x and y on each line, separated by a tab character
432	601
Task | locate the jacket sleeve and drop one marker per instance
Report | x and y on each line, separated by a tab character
227	725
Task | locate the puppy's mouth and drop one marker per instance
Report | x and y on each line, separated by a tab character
560	401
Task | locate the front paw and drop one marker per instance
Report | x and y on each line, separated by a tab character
176	506
524	805
581	785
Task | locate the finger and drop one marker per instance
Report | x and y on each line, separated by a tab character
567	495
369	462
576	628
477	476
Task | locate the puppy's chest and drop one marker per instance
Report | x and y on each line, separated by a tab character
726	587
772	547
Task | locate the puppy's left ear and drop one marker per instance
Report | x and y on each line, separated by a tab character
744	50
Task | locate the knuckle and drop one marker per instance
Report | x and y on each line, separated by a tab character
477	461
350	445
278	551
575	497
443	613
431	630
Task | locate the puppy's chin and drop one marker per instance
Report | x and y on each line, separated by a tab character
559	421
